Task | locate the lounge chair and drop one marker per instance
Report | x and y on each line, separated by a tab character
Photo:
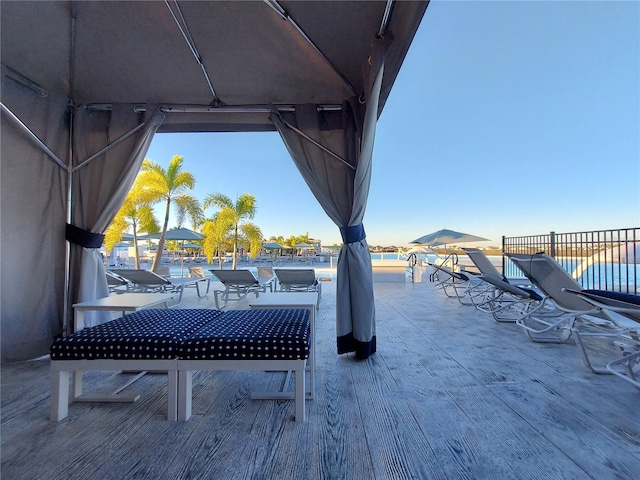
148	281
556	314
509	298
298	280
464	286
116	283
198	274
238	284
266	275
163	271
624	311
506	302
487	268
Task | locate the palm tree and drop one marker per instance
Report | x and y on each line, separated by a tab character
193	211
216	238
232	219
168	185
135	214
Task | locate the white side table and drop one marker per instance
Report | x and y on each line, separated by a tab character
126	302
294	300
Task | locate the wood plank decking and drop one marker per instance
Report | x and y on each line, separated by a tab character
450	394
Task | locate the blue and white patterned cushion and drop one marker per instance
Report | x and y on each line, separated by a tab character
146	334
250	335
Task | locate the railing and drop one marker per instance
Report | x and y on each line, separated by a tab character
603	259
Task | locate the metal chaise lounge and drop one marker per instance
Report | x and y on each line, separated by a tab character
506	302
116	283
487	268
553	319
238	284
464	286
299	280
509	298
623	309
148	281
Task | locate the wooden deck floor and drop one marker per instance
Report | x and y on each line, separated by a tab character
450	394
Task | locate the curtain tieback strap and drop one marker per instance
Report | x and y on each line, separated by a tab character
352	234
83	237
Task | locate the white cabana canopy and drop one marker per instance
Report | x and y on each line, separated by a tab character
85	86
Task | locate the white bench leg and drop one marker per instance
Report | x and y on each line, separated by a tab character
184	394
59	395
300	394
76	382
172	395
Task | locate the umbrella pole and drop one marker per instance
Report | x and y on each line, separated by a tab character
182	260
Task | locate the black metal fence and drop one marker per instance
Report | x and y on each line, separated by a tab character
603	259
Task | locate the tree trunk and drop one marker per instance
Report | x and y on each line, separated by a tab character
235	247
135	245
158	257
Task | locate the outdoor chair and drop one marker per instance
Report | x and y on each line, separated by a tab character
463	286
266	275
509	298
197	273
486	267
623	309
163	271
506	302
148	281
554	318
238	284
116	283
298	280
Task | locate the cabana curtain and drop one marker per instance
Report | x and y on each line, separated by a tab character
336	165
101	185
33	199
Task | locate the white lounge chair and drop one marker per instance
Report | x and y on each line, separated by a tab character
148	281
238	284
486	267
116	283
553	319
299	280
266	275
198	274
506	302
464	286
509	298
624	312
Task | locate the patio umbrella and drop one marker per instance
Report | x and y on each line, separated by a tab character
183	234
419	250
179	234
272	246
446	237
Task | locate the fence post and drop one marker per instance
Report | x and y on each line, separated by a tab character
504	272
552	238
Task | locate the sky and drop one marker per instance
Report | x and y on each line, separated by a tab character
508	118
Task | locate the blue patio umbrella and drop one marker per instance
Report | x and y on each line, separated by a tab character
179	234
447	237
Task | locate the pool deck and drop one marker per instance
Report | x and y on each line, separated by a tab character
450	394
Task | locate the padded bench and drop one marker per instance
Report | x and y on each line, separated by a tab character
179	341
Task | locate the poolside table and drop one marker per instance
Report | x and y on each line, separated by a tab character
126	302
